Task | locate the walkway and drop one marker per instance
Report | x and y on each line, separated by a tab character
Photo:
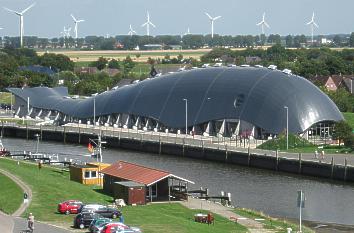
252	225
14	223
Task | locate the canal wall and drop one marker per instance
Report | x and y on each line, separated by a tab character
275	163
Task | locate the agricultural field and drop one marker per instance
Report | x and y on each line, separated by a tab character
137	56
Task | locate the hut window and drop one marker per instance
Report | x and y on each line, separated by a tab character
87	174
93	174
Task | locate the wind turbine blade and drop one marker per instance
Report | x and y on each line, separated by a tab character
17	13
309	22
1	28
315	24
134	32
28	8
313	16
211	18
263	16
217	17
81	20
73	18
144	24
265	23
152	24
260	23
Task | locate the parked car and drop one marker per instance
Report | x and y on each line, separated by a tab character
108	212
70	207
114	227
97	223
91	207
84	219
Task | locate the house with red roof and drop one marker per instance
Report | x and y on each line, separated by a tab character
138	184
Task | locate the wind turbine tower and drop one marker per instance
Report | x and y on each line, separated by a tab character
131	31
312	24
263	23
76	24
147	24
212	23
188	32
20	14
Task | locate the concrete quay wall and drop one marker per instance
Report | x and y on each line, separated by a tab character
275	163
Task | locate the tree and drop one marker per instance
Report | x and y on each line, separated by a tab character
100	63
342	132
128	65
289	41
57	62
351	40
113	64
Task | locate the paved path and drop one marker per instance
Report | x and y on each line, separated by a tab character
14	223
252	225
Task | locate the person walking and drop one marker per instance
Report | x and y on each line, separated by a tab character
30	222
316	154
322	154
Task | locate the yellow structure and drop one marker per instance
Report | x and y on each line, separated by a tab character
88	174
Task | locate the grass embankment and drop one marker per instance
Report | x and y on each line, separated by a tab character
5	98
11	195
301	145
349	117
50	186
276	225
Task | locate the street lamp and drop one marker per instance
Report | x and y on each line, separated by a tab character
287	127
186	115
94	111
28	105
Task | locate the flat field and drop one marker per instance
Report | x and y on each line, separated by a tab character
88	56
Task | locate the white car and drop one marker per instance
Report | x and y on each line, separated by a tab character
91	207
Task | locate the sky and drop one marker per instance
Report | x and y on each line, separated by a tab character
48	17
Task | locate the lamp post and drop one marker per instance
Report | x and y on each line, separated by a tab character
94	111
186	115
287	127
28	105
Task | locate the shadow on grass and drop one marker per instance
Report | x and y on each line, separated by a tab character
101	191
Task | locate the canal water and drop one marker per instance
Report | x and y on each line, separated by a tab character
270	192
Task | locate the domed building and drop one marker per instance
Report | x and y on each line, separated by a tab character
246	101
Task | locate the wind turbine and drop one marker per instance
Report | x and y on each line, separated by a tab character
147	24
312	23
212	22
76	24
131	31
21	20
263	23
188	32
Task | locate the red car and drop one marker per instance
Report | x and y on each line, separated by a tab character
113	227
69	207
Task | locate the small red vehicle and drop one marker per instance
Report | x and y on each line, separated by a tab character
113	227
70	207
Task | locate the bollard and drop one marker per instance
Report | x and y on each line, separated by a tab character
300	159
332	167
289	230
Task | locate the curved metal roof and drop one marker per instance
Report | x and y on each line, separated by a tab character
255	95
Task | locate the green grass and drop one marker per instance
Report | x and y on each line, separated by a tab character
349	117
279	143
11	195
277	225
5	98
50	186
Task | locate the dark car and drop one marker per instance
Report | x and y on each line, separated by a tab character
94	226
108	212
84	219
